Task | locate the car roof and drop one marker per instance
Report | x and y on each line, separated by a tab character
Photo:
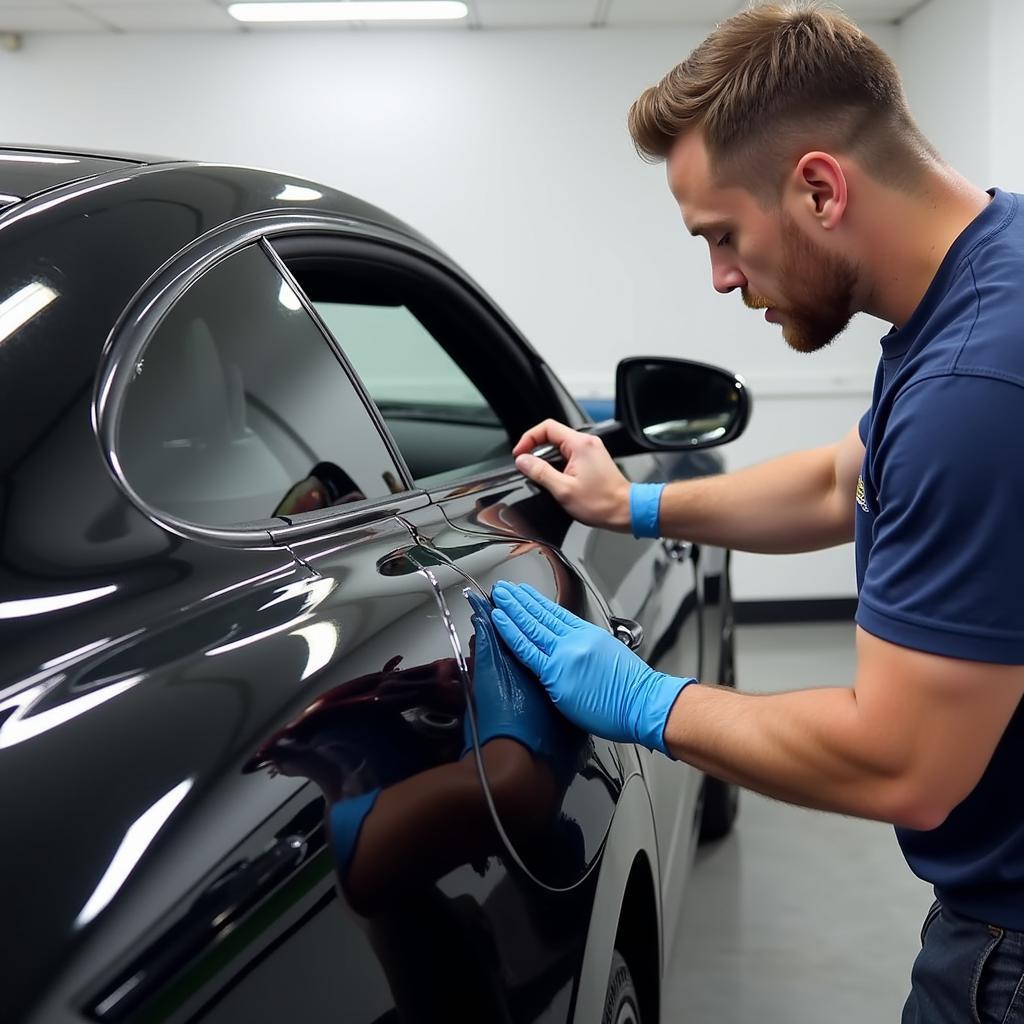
27	170
91	151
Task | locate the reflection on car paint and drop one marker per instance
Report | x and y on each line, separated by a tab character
391	753
18	309
556	851
395	754
137	839
219	907
25	716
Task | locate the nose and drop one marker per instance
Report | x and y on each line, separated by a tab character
726	276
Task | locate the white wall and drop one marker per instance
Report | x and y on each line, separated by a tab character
1006	94
509	149
965	81
944	55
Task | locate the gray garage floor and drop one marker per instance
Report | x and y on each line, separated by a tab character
799	916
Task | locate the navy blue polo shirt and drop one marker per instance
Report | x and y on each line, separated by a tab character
940	529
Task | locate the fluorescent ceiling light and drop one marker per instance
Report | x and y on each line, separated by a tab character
15	312
299	194
322	638
289	300
15	158
351	10
42	605
23	725
136	840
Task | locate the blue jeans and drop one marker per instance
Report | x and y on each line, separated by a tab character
967	972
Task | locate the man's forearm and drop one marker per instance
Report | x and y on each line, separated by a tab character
906	743
787	504
809	747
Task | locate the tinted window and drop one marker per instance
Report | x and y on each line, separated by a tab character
238	409
440	420
426	353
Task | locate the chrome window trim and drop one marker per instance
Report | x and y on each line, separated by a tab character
147	310
330	520
476	483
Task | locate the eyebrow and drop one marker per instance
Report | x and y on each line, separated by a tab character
703	230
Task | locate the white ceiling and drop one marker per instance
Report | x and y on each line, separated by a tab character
179	15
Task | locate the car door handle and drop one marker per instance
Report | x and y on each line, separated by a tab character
629	631
677	550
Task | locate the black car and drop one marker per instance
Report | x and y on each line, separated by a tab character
261	755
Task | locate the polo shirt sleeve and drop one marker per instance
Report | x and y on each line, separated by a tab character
946	561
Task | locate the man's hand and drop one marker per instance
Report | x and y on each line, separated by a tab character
591	488
592	678
509	702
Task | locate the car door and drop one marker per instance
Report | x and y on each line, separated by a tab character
319	721
455	387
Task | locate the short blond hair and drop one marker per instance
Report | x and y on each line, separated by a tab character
778	77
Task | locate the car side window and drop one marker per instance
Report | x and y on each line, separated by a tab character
239	410
439	419
401	333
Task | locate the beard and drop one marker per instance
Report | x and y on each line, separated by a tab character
821	286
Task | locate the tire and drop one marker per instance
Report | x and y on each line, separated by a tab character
621	1004
721	799
721	805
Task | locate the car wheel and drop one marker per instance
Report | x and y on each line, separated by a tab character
721	799
721	805
621	1004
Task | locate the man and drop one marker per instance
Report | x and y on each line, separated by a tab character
790	149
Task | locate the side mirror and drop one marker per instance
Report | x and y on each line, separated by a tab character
678	405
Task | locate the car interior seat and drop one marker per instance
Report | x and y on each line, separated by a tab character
184	442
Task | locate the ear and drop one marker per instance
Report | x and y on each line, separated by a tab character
820	189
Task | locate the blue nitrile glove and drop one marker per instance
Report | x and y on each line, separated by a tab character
594	680
346	819
509	702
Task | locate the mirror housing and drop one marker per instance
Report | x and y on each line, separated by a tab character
669	405
673	405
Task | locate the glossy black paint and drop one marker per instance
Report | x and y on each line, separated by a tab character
27	172
181	720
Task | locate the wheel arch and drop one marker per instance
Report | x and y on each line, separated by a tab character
637	936
626	907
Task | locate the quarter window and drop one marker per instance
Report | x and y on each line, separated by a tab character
239	410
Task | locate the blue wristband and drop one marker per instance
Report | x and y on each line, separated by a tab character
644	502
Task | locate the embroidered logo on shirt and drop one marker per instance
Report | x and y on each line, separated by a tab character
862	496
